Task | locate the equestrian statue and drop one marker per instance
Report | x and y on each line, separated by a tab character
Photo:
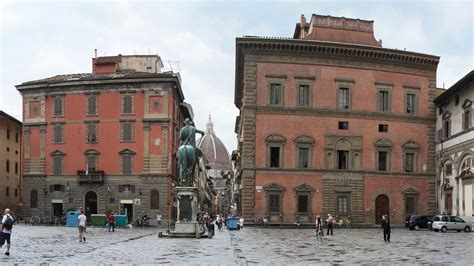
187	153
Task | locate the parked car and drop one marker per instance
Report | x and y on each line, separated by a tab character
420	221
444	223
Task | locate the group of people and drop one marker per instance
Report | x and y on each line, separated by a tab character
319	226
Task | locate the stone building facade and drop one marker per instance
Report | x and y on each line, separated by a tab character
455	148
332	122
104	140
10	163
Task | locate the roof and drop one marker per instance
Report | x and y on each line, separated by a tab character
3	114
462	84
214	149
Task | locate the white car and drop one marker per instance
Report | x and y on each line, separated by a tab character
444	223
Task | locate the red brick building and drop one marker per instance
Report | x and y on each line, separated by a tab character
332	122
103	140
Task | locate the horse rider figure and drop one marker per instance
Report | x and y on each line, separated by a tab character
187	156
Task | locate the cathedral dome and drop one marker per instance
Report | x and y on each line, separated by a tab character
213	149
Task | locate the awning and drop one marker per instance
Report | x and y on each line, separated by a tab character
126	201
56	201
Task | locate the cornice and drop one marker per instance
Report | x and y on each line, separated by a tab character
341	113
332	171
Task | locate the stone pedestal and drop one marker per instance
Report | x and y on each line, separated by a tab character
186	223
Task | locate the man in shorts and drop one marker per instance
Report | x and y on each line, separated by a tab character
6	230
81	225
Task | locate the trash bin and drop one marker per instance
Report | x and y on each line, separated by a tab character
98	219
71	218
120	220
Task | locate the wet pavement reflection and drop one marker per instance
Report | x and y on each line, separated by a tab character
37	244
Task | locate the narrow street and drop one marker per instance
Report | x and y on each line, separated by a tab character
38	244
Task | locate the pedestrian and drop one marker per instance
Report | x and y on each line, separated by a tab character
111	220
241	222
297	222
386	228
265	221
319	229
330	222
6	230
81	225
158	219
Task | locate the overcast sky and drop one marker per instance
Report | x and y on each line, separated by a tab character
43	39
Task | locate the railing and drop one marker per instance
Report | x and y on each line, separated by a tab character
92	176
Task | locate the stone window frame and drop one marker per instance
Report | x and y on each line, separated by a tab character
352	144
415	194
57	162
304	141
127	154
124	96
275	140
344	84
303	190
58	105
123	125
467	115
446	125
384	88
91	155
276	79
154	199
413	91
274	189
89	125
410	147
95	98
383	145
304	81
34	199
347	195
58	132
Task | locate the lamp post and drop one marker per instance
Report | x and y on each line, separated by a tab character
45	192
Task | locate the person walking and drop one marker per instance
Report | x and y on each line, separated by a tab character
330	222
319	229
158	219
81	225
111	220
6	226
386	228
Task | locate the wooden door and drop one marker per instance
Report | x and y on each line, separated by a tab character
381	208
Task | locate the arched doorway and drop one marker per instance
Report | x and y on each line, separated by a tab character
91	203
381	208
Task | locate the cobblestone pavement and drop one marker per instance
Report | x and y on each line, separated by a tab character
53	245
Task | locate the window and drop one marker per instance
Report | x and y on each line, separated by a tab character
456	100
16	168
127	103
154	199
127	188
342	204
16	137
342	159
8	133
446	129
34	198
58	133
58	106
467	119
92	105
343	125
383	101
112	201
126	164
156	106
16	192
92	160
383	128
56	188
304	96
275	94
8	149
303	158
411	103
343	98
7	192
303	203
274	156
58	165
409	162
274	203
91	129
382	160
8	166
127	131
449	169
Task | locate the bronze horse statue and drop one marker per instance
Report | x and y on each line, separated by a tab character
187	153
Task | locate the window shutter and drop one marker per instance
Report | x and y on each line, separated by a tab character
127	104
92	110
127	131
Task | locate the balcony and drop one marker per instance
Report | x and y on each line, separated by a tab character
90	176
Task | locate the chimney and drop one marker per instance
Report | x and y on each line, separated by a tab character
95	53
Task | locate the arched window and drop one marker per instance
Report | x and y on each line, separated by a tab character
34	199
383	147
154	199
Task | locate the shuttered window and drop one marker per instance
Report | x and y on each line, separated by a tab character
127	164
58	106
91	136
127	131
34	199
155	199
58	133
58	163
92	105
127	104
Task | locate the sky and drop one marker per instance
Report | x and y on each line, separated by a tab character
39	39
